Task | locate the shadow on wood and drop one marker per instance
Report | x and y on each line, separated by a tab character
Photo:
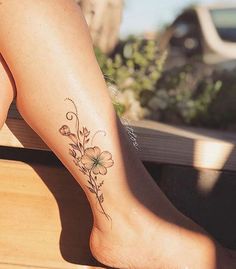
36	235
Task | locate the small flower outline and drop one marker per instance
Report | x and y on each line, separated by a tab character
97	161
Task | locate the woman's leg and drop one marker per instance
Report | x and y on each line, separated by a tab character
62	95
7	90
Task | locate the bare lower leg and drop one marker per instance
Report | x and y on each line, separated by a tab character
7	90
62	95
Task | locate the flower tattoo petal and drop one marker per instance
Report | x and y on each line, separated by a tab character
106	159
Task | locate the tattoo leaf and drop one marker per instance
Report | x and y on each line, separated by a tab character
90	183
87	134
76	162
72	152
82	171
101	198
100	185
74	146
92	190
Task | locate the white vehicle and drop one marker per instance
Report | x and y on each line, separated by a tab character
208	32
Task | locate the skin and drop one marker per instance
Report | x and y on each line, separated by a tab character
49	57
7	90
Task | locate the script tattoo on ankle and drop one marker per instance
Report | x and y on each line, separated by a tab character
91	160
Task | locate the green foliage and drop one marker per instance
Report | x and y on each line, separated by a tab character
221	112
134	67
137	64
196	94
183	94
192	94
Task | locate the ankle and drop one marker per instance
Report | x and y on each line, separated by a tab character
125	214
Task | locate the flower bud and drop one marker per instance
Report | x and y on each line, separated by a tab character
64	130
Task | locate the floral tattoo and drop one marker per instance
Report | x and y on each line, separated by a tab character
91	160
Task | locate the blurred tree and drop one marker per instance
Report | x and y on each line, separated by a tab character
103	18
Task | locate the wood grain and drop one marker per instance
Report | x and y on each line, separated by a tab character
45	219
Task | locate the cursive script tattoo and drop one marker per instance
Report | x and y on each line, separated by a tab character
91	160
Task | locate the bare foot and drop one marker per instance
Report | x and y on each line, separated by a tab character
139	239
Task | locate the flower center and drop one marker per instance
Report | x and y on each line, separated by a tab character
95	161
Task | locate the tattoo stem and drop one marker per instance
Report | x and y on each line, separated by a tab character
97	196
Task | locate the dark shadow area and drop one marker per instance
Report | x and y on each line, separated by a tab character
75	215
214	211
226	186
230	160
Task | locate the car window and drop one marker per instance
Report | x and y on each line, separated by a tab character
225	22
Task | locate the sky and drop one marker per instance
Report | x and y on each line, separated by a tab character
150	15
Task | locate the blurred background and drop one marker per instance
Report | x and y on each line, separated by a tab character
169	61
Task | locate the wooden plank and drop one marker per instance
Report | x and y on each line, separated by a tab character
199	148
157	142
45	220
26	266
22	266
17	133
19	266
